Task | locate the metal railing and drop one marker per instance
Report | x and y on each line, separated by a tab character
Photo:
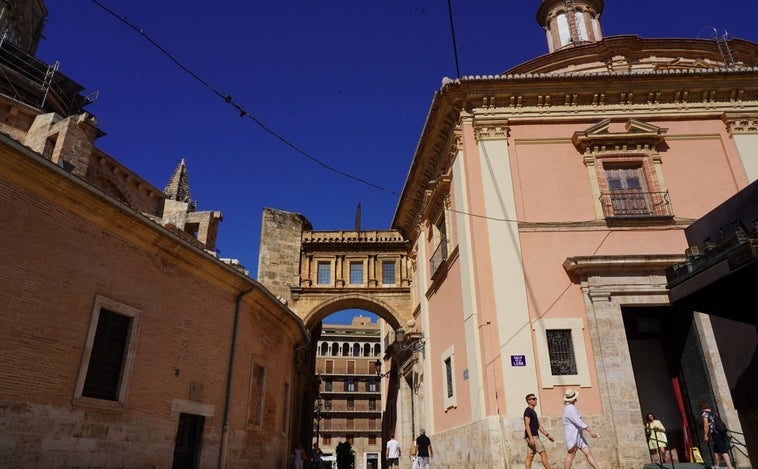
635	204
439	256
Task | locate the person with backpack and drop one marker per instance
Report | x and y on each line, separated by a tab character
714	430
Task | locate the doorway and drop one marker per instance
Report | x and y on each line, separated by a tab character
669	371
189	441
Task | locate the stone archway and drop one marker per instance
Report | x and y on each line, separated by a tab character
317	273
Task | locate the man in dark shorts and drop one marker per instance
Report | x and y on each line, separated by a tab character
424	450
393	452
532	429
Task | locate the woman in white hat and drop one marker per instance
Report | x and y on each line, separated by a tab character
573	431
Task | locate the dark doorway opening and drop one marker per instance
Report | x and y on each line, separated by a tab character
669	371
189	441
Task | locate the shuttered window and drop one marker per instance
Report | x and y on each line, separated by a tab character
107	359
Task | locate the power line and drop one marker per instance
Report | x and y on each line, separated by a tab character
242	112
452	33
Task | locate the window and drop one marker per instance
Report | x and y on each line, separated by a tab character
285	406
448	372
388	272
109	352
372	404
439	235
324	276
356	350
329	366
255	414
372	440
581	28
561	352
564	32
328	384
350	404
449	377
324	349
372	386
356	273
327	404
350	385
372	423
326	440
350	424
366	350
625	169
351	367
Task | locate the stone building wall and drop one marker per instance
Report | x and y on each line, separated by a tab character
279	251
60	255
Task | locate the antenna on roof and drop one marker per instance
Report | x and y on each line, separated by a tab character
722	44
358	217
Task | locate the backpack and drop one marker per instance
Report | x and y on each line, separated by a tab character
717	425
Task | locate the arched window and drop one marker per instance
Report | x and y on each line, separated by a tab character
356	350
580	26
377	350
335	349
345	350
324	348
367	350
564	32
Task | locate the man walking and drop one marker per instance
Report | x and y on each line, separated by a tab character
393	452
424	450
532	429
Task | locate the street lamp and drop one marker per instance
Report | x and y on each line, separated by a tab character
415	343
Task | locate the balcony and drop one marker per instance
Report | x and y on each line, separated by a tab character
632	204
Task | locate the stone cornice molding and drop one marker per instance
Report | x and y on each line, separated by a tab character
741	123
587	266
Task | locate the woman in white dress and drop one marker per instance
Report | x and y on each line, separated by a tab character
573	431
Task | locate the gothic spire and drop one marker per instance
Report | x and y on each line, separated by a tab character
178	186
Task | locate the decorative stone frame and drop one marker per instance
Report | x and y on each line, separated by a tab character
449	401
102	302
576	325
638	145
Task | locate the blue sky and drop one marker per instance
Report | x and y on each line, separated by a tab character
348	83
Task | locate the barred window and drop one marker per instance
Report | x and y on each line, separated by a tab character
449	376
561	351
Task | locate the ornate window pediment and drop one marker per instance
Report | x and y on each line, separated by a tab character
638	136
624	169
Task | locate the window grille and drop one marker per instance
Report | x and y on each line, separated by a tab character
561	351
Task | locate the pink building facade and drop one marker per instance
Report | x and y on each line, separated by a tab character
544	206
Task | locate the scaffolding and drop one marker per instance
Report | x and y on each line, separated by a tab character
33	82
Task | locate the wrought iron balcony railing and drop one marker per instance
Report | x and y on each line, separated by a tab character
439	256
636	204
